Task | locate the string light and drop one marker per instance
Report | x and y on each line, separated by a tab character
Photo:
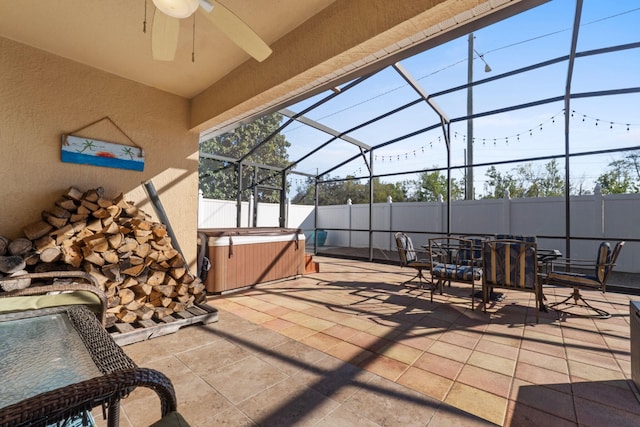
585	117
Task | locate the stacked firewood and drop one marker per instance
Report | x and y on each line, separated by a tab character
131	257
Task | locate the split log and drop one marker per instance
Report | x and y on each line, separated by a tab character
12	264
73	194
51	220
20	246
15	282
66	203
126	296
36	230
126	316
162	312
4	245
51	254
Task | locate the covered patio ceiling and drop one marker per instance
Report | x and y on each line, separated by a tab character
224	84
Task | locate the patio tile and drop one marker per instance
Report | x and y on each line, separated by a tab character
540	375
419	342
291	357
390	404
277	324
498	364
486	380
220	353
426	382
521	415
545	361
460	354
350	353
343	417
603	359
543	398
497	349
478	402
340	331
287	403
463	340
244	379
439	365
384	366
590	413
297	332
401	352
368	341
580	371
320	341
611	393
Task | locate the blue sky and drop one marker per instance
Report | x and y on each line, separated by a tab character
539	34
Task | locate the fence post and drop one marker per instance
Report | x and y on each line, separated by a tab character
443	215
390	203
350	221
598	202
507	212
250	210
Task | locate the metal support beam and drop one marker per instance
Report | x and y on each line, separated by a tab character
567	126
323	128
239	195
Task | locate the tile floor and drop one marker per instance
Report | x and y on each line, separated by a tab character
349	346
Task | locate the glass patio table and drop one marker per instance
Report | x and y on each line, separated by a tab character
59	363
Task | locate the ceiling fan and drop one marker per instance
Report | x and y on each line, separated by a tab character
166	24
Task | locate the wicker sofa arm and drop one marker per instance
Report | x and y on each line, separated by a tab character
60	404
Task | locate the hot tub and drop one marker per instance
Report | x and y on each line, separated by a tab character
242	257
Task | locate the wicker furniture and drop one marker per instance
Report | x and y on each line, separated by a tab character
59	362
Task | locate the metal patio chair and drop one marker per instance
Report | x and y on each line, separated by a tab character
602	268
409	258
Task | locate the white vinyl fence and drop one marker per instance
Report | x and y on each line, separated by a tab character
606	216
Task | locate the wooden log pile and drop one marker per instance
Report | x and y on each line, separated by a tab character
131	257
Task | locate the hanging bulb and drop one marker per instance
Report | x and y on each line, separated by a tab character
518	137
627	126
611	125
597	120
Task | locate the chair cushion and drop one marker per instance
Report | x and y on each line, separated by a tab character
573	280
603	259
35	302
510	264
456	272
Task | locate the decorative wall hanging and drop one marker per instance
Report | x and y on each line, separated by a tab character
88	151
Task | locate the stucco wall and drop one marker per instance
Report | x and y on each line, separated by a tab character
43	96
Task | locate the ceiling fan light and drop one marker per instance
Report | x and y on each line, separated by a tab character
177	8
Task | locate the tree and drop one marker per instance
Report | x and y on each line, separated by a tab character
622	176
338	192
218	178
430	185
525	181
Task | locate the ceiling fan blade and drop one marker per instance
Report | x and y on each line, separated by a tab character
236	29
164	36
